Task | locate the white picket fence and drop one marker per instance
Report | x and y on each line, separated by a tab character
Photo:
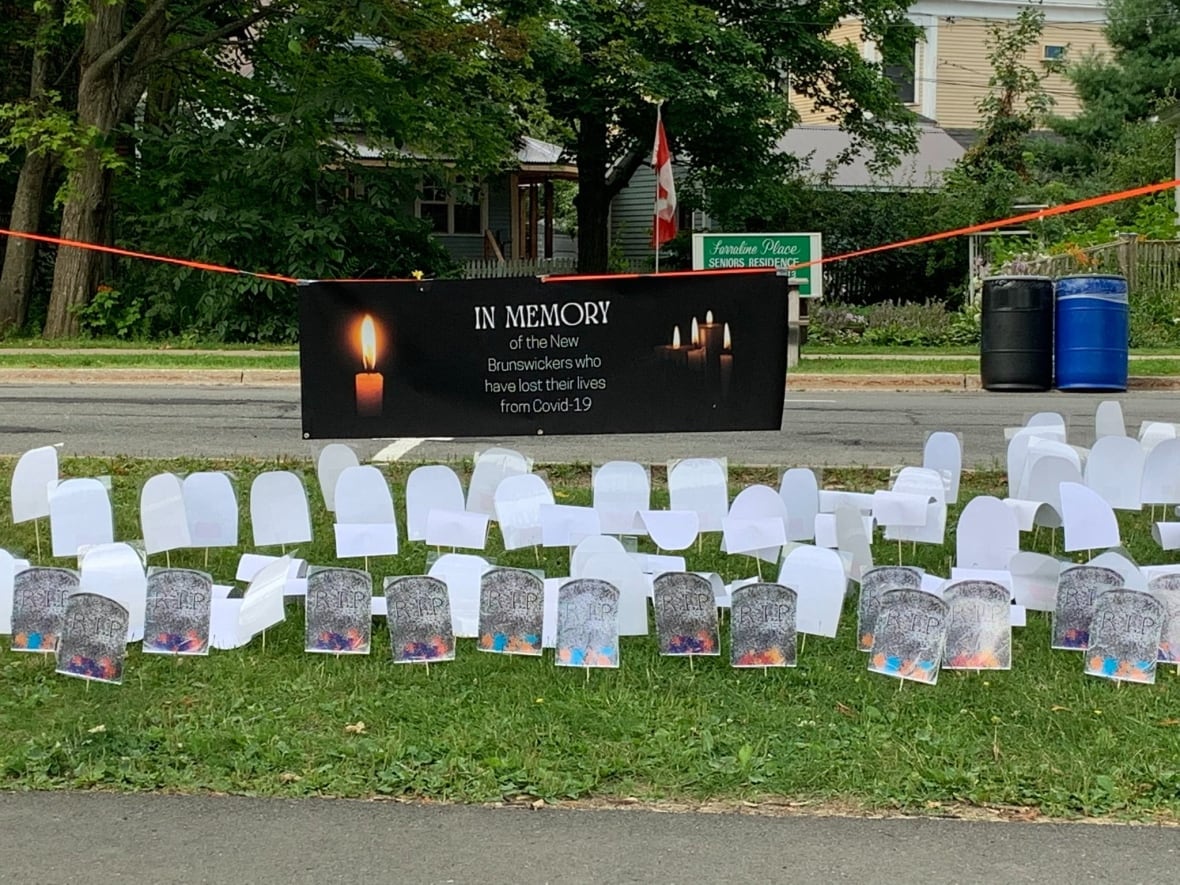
491	268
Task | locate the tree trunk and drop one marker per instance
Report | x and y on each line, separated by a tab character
592	202
76	271
16	280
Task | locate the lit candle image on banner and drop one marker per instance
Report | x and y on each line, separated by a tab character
370	384
726	362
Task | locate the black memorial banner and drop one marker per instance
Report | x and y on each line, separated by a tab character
646	354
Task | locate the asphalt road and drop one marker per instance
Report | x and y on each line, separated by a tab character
92	837
873	428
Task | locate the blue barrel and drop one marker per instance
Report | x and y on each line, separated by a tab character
1093	330
1016	333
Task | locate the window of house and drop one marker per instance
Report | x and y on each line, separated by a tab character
1053	52
898	63
452	207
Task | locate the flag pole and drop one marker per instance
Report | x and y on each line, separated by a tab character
655	215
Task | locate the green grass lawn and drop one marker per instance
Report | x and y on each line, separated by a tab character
277	721
154	360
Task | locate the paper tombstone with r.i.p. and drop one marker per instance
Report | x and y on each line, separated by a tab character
686	614
279	512
909	638
762	626
587	624
1166	588
700	485
431	487
1125	635
818	576
621	491
419	619
873	584
211	508
1115	471
178	613
36	472
39	597
338	612
333	460
511	612
117	571
979	626
365	521
93	643
1077	588
517	502
80	516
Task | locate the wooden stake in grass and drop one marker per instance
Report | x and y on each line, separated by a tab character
168	558
37	531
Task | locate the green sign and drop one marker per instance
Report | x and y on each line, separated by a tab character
719	251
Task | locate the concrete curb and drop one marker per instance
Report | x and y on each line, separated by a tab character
796	381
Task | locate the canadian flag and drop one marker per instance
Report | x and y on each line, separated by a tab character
664	225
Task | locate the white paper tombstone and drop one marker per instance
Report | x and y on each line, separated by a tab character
1018	452
34	474
1119	560
1152	433
621	489
1108	419
910	636
278	509
873	584
943	454
686	614
756	523
1115	471
671	529
762	626
162	516
830	499
1125	636
262	603
603	544
365	521
817	576
518	501
212	509
852	539
333	460
1034	580
979	626
492	466
93	641
79	516
700	485
7	573
1044	476
987	536
431	487
1077	589
1166	588
463	574
1089	520
924	524
1161	474
633	586
799	490
1166	534
1046	419
116	571
563	525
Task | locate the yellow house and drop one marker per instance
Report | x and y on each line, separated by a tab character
950	69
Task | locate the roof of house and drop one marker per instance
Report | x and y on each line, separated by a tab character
818	148
533	155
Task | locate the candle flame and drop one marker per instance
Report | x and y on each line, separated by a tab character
368	343
696	333
727	344
709	317
675	336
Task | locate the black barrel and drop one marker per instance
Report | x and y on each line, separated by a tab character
1016	334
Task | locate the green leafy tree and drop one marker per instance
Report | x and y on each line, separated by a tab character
722	69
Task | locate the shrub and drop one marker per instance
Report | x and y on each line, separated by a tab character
912	324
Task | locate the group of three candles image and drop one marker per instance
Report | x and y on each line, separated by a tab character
709	350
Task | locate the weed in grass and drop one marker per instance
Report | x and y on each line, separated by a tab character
490	727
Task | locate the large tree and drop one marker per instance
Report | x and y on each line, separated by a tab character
722	69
